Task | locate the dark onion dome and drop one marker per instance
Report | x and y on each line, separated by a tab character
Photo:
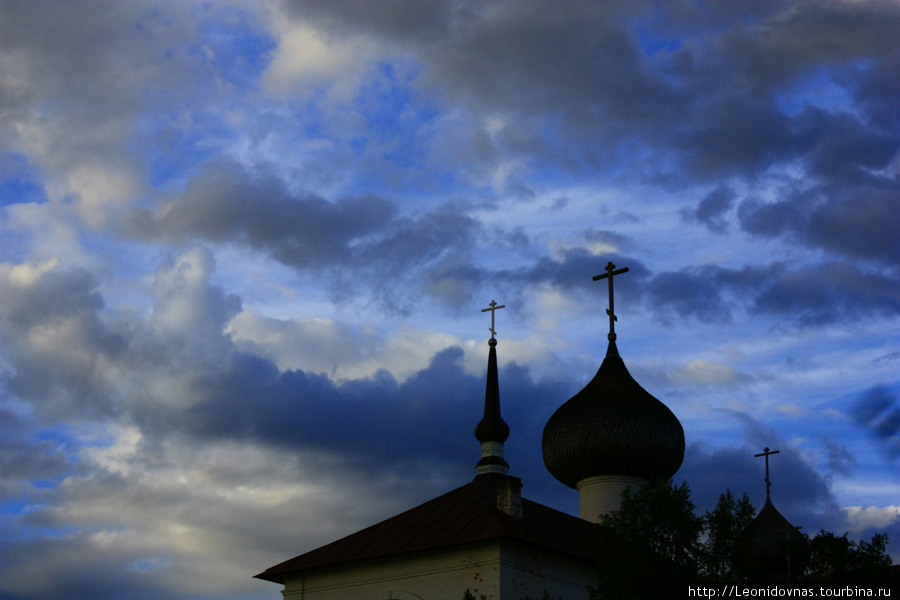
612	427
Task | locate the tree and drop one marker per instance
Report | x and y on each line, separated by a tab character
655	531
654	545
725	544
837	559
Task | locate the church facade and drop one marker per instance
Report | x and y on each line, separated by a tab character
483	537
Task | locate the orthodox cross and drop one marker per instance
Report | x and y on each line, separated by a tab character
494	306
766	452
610	271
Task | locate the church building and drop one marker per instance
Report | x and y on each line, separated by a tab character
485	537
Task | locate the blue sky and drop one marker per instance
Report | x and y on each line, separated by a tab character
245	248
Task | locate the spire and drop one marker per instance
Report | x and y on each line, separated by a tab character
492	431
766	452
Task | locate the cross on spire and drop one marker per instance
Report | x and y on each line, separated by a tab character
493	306
610	271
766	452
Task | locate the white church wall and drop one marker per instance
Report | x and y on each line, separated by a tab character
499	573
528	572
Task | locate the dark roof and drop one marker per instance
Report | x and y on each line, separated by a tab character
465	515
776	549
612	427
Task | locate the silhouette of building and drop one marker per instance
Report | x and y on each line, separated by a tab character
775	550
484	536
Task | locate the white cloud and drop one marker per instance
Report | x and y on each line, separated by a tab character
307	60
791	410
202	520
188	310
324	345
26	274
867	517
702	372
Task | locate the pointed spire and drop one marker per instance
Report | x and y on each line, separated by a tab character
492	431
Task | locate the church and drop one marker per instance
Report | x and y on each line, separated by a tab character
484	537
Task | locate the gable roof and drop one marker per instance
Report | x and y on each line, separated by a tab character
465	515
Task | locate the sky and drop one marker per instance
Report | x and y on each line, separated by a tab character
244	248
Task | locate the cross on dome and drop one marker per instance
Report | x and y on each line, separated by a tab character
493	306
610	271
766	452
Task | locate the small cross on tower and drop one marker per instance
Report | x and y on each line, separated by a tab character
494	306
610	271
766	452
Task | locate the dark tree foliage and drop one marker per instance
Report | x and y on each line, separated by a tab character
654	545
837	559
725	544
651	546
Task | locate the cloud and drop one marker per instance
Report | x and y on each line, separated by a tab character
165	429
210	459
226	202
828	292
359	242
855	222
52	334
712	91
878	411
798	490
691	293
809	294
712	209
840	460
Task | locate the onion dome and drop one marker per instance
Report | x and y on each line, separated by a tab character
612	427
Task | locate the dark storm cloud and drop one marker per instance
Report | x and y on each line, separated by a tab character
840	460
80	74
51	331
710	86
226	203
371	423
359	242
843	148
691	293
575	270
828	293
222	393
404	19
855	221
798	490
115	573
807	295
715	91
711	210
22	458
63	48
878	410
